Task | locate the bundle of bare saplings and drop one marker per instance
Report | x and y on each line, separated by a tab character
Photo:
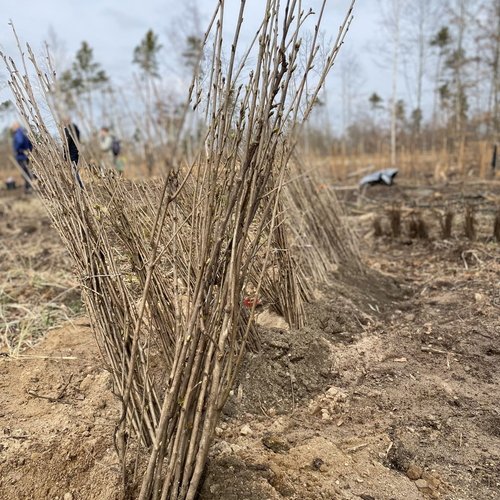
164	270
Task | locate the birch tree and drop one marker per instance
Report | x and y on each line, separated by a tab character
391	11
351	80
489	42
420	21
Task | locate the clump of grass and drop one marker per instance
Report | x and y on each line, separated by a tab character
469	223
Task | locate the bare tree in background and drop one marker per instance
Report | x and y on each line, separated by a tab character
351	78
58	51
462	13
420	21
146	56
376	106
391	12
185	39
489	43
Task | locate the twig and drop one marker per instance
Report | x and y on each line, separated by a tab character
18	357
50	398
354	449
434	351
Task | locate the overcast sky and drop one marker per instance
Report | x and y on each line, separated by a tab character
114	27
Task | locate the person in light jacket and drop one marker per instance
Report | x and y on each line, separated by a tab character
110	145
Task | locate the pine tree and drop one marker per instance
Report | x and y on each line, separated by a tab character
86	73
84	76
375	101
441	43
193	51
146	54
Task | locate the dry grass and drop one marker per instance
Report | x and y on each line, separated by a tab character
437	165
37	292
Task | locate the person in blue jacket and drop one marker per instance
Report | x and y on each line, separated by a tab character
22	145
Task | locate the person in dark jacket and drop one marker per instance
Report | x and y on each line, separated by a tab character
21	146
72	136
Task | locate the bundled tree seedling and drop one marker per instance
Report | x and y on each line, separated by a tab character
417	227
395	221
165	269
496	226
422	229
469	223
378	231
446	223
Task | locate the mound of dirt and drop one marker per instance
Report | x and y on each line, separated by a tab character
290	367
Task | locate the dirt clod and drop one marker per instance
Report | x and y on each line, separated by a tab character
317	463
246	430
414	472
275	443
421	484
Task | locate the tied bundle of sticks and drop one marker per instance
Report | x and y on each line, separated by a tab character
164	271
320	238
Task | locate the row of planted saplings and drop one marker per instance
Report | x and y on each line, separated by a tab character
414	226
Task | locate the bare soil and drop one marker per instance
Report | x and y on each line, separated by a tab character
57	414
391	391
